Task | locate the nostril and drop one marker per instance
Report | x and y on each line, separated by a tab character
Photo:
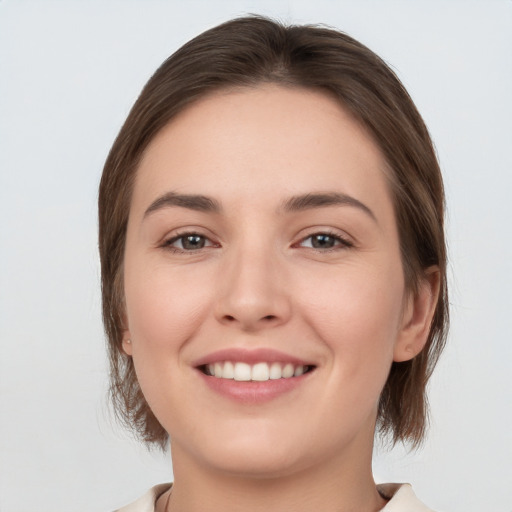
267	318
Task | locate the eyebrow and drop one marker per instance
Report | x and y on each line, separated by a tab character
302	202
191	201
320	200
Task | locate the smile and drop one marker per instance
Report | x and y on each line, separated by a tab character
259	372
253	376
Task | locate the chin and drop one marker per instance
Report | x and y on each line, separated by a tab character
250	455
257	464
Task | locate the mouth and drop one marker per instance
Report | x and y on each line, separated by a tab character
258	372
253	376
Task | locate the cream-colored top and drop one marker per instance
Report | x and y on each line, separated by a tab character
402	499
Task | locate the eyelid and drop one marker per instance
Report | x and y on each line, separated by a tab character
183	233
343	240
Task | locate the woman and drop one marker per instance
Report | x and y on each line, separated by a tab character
273	270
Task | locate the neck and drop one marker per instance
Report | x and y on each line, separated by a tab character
341	484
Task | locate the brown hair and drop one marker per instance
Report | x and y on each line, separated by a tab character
246	52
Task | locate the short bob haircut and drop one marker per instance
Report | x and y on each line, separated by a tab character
247	52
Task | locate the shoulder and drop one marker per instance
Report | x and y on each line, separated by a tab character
401	499
147	502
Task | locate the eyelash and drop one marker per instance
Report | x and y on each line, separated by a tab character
339	241
168	244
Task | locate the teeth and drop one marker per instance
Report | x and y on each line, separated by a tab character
242	371
288	371
228	372
299	370
275	371
259	372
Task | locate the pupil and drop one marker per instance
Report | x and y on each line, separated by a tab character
322	241
193	242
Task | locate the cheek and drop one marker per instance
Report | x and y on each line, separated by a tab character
357	314
164	311
163	308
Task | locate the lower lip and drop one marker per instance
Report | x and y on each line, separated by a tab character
253	392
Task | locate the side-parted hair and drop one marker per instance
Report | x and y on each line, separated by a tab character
248	52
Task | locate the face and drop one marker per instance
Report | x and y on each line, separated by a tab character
265	297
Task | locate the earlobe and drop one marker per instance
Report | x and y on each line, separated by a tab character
417	318
127	343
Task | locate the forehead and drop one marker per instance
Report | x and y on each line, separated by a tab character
262	142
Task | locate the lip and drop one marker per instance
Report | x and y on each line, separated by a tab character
250	356
251	392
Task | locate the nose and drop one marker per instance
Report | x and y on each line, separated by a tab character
254	293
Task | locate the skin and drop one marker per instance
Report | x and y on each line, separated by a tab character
259	282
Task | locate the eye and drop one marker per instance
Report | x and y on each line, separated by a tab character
188	242
325	241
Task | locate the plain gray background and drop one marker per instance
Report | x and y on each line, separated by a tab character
69	72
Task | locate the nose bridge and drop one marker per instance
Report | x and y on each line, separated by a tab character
253	295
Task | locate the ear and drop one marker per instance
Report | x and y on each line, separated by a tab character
418	313
126	342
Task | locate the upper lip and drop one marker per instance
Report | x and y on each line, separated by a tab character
250	356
